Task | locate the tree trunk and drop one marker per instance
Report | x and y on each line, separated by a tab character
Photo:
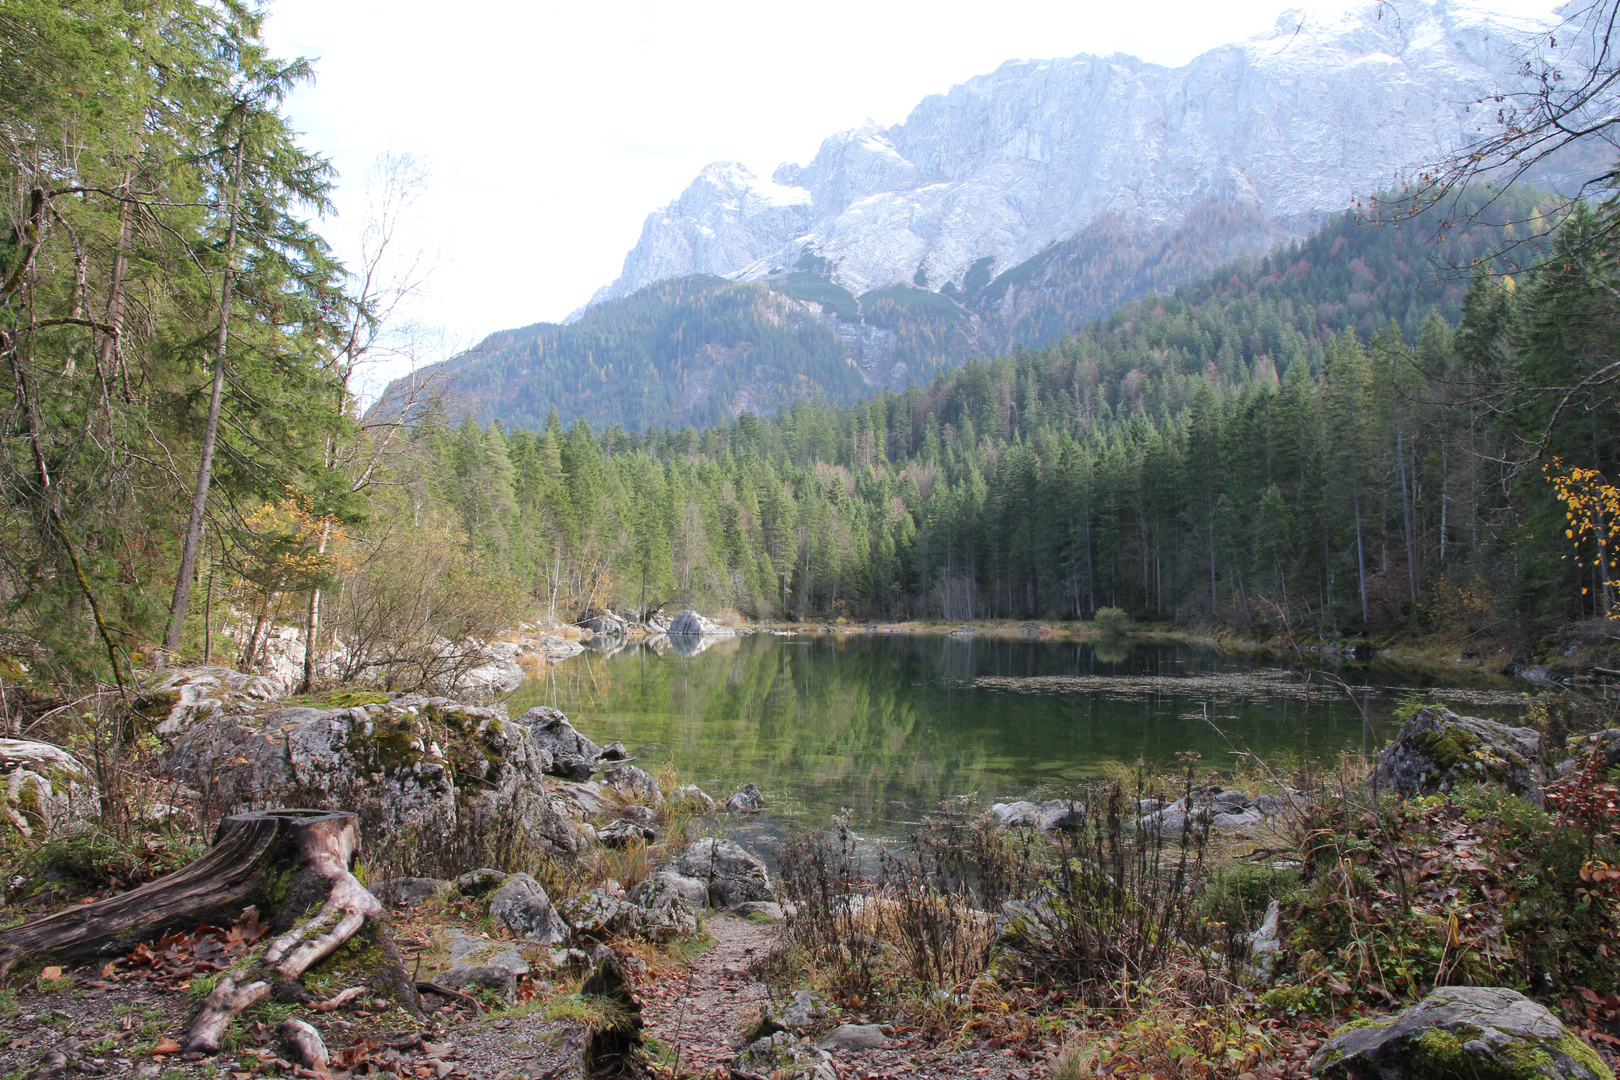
287	862
205	468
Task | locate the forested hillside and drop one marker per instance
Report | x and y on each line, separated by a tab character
701	350
1305	442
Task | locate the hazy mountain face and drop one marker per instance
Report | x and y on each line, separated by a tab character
1291	125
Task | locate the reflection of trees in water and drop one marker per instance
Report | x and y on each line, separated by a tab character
890	726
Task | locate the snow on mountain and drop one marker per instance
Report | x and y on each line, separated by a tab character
1294	122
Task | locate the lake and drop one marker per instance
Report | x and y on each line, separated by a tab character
888	726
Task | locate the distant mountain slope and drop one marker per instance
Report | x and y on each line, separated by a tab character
1260	139
701	349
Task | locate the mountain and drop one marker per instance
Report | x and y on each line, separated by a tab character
1289	126
1006	212
701	349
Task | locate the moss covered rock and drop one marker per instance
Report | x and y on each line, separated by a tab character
44	790
1461	1033
1437	750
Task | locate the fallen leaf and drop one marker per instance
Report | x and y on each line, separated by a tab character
165	1046
51	973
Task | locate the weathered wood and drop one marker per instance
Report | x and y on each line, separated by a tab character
322	851
213	888
304	1045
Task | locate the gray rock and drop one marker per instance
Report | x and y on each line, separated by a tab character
615	751
636	785
480	977
483	964
571	767
1461	1031
604	624
854	1037
409	891
552	732
1169	823
667	912
641	815
694	890
1016	815
693	798
784	1057
750	800
601	916
45	792
480	881
1229	802
622	833
1061	815
522	906
580	800
1437	750
1608	743
1236	822
691	624
768	909
801	1011
733	875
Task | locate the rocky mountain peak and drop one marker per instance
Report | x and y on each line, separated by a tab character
1293	122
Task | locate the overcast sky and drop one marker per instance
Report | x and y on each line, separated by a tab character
549	130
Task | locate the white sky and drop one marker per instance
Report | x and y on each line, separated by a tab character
551	129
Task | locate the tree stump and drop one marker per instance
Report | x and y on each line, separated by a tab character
294	865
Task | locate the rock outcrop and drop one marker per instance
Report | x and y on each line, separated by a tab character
1437	750
691	624
45	791
427	765
1461	1031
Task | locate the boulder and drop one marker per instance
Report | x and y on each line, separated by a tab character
667	911
623	833
603	623
405	892
482	964
691	624
635	785
552	732
1061	815
1016	815
45	791
600	916
554	647
615	751
186	695
798	1013
1608	744
480	881
695	891
1437	750
496	675
693	798
522	906
732	875
784	1057
426	765
750	800
1461	1031
641	815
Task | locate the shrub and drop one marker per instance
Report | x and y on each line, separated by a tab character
1112	620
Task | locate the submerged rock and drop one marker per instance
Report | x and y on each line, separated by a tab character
1437	750
1461	1031
750	800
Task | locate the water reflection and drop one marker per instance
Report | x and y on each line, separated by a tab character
888	726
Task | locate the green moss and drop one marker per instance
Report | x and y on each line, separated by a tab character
353	699
1584	1056
1451	746
393	743
154	704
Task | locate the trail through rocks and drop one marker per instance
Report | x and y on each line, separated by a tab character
705	1013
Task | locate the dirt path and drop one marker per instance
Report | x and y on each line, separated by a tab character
704	1012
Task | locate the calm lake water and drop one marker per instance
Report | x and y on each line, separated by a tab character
889	726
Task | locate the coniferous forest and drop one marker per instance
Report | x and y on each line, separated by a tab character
1356	433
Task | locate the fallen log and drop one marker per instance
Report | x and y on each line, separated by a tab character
293	864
